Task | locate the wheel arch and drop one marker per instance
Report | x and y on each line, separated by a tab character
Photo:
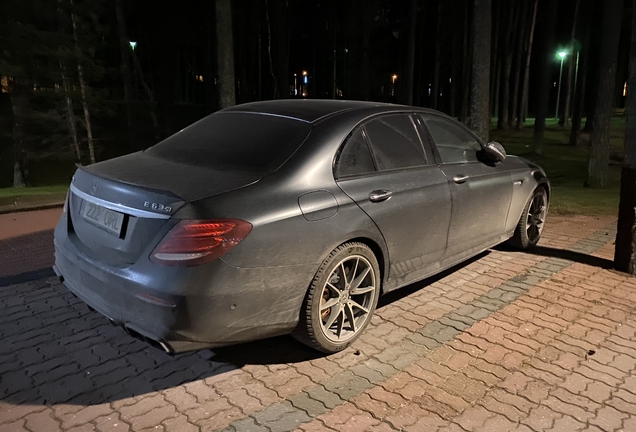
378	251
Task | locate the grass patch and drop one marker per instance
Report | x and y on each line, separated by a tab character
30	191
566	167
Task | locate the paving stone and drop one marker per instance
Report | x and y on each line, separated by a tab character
503	339
311	406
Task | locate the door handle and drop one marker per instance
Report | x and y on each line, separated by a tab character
380	195
460	178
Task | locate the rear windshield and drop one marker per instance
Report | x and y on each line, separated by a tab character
257	143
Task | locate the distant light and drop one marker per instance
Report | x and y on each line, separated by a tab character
562	54
304	73
133	44
305	79
346	50
393	78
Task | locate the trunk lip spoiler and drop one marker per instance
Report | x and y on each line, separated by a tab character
118	207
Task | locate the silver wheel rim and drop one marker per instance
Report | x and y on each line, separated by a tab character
347	298
536	217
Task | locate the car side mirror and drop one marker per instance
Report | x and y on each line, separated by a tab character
495	151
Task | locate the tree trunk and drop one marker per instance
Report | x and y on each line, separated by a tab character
526	74
281	35
269	50
494	57
209	86
565	117
19	179
514	112
454	61
598	162
438	57
70	113
80	75
466	64
149	94
543	92
479	119
125	65
506	68
410	55
225	53
578	103
625	252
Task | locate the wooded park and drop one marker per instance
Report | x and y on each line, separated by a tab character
88	80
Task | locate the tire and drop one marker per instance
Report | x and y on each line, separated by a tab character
334	302
532	220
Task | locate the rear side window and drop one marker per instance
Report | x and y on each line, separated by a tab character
395	142
256	143
455	145
355	158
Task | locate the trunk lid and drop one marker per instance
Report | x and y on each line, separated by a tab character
119	207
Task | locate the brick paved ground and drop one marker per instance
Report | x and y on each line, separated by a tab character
509	341
26	244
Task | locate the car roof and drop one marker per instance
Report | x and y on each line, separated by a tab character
315	110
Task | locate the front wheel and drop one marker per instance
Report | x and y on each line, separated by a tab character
532	221
341	299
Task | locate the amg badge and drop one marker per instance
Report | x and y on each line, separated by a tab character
157	206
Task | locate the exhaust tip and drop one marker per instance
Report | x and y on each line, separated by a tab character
161	345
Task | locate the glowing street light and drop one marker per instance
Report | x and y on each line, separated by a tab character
133	44
561	54
393	78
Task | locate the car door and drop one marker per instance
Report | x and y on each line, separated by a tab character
383	167
481	190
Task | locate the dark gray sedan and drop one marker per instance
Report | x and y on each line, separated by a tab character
287	217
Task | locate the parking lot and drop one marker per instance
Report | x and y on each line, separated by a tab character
507	341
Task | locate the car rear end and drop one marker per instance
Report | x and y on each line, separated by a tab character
123	249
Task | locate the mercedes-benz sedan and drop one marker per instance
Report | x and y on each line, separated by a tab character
287	217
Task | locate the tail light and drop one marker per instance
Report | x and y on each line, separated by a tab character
193	242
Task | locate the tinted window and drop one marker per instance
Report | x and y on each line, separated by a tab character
455	145
395	142
240	141
355	158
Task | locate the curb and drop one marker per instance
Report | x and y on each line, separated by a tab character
31	202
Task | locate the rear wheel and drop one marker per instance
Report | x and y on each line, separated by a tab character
341	299
530	226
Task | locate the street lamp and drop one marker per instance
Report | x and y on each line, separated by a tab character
393	78
561	54
133	44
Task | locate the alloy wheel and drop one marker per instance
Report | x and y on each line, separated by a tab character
536	217
347	298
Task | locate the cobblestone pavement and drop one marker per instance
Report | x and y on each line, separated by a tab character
26	245
508	341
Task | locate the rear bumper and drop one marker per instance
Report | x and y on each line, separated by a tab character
183	309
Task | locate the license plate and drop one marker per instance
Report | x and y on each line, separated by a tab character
109	220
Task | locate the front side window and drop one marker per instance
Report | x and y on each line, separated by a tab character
355	158
395	142
455	145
